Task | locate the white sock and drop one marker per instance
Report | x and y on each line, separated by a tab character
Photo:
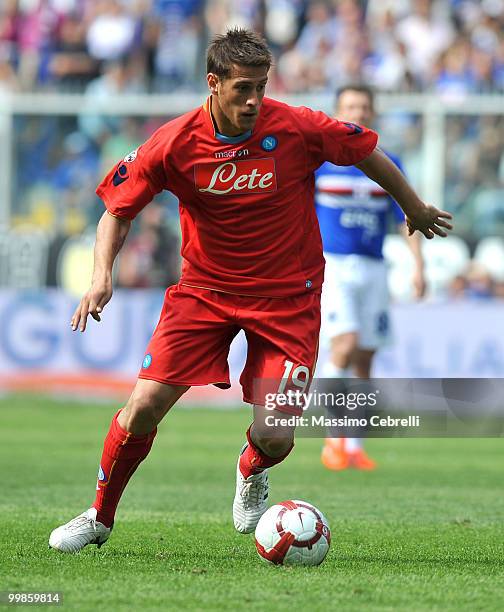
353	444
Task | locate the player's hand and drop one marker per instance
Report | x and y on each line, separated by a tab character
430	221
92	303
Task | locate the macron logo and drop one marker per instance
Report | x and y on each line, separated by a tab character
236	177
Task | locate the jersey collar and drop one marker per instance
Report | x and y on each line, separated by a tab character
207	108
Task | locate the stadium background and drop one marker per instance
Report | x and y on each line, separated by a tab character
84	82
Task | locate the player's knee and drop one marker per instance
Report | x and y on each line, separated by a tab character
149	406
144	405
275	446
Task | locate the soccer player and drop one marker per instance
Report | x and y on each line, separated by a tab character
242	166
353	213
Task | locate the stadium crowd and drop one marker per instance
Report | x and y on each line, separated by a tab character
397	46
109	47
401	45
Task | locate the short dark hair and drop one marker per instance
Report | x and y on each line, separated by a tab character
359	88
237	46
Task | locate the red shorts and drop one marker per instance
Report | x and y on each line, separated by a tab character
190	344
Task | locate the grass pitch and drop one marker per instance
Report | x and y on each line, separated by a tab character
424	532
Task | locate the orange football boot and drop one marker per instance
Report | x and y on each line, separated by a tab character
334	456
359	460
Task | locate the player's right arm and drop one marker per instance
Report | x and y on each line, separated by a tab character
125	191
110	236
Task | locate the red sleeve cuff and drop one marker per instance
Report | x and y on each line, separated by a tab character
114	209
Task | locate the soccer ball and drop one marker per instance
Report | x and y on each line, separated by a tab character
293	532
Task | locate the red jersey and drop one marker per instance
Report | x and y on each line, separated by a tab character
247	210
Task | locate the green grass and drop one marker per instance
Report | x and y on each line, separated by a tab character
424	532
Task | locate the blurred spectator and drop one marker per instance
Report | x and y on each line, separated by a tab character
455	77
499	290
8	79
37	22
479	282
425	37
150	256
482	68
457	287
487	32
498	73
9	26
344	63
71	179
119	77
476	283
112	31
281	22
386	66
330	49
320	30
175	31
70	66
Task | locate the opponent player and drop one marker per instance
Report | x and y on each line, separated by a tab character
243	168
353	213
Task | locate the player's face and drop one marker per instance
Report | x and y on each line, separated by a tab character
356	107
238	98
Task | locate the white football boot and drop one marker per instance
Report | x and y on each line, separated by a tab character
79	532
251	499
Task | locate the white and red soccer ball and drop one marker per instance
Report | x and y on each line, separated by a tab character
293	532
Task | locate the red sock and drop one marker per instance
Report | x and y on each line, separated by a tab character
254	461
122	454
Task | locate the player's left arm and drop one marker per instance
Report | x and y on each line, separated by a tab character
419	216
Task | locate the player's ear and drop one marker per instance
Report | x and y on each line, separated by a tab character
212	80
